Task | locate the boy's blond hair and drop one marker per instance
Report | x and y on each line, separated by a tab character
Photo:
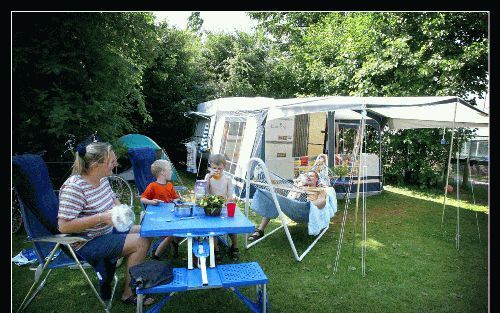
217	159
160	165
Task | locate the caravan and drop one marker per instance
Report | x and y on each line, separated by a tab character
288	133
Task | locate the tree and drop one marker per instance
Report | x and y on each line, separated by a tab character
195	22
174	84
236	63
77	73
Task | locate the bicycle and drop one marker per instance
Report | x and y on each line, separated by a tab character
17	218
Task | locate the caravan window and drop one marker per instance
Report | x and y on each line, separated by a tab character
231	143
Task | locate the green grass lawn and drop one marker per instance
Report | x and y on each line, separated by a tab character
412	264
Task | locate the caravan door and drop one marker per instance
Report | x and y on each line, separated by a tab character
234	137
279	146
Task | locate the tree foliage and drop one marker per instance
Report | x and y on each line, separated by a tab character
418	157
236	63
78	73
174	84
383	54
195	22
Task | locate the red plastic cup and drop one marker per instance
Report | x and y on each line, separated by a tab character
231	207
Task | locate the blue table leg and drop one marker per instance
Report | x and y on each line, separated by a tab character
190	253
158	306
212	250
201	250
260	306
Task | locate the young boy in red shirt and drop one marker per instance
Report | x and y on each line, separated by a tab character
159	191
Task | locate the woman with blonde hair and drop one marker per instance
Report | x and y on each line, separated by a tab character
315	193
85	202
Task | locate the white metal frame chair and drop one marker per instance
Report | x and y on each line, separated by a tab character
284	223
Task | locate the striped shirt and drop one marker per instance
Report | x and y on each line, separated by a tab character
78	198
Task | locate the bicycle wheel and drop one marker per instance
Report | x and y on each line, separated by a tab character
17	218
122	189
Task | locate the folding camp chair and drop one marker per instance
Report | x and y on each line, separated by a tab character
39	207
141	160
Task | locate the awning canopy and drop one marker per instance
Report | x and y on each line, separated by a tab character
396	112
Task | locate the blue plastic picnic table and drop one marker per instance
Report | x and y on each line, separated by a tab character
160	220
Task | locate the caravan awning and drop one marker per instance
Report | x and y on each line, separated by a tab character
429	112
398	112
197	114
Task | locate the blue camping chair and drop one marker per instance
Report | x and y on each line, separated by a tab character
141	160
39	207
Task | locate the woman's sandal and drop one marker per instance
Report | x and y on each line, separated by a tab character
133	300
235	253
256	235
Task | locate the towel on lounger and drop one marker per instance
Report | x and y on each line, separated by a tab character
320	218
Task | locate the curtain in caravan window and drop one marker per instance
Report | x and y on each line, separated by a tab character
300	135
232	136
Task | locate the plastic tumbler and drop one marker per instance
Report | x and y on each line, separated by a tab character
231	207
200	188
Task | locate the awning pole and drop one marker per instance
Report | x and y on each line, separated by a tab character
457	232
473	198
360	145
380	160
449	164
